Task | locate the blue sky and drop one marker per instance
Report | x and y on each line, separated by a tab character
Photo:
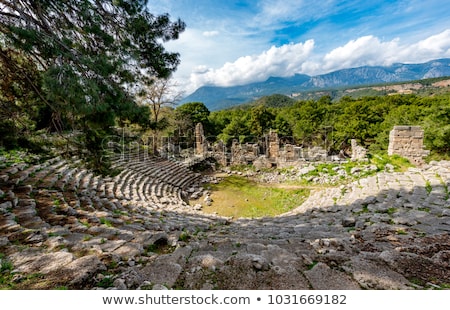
229	43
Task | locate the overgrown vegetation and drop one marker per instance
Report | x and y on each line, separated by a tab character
239	196
66	69
332	124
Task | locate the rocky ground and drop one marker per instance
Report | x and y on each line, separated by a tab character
63	226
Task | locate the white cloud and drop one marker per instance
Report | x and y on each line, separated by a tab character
210	33
273	12
200	53
436	46
366	50
369	50
285	60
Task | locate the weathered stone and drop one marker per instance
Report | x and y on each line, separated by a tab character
224	253
162	273
3	241
374	275
348	222
5	206
46	263
83	269
4	178
358	152
129	250
323	277
407	141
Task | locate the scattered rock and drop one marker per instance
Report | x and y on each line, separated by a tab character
348	222
374	233
323	277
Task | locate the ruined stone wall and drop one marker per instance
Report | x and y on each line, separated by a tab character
269	152
407	141
358	152
242	154
199	139
274	145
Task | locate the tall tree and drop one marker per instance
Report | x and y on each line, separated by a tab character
93	54
159	93
19	101
193	113
261	120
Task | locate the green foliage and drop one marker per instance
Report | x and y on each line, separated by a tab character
260	121
428	187
184	236
332	124
188	115
106	222
196	112
274	101
381	159
79	64
106	281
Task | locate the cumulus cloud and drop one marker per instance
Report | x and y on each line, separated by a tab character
436	46
289	59
369	50
285	60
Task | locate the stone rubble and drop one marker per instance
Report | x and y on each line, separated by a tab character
136	231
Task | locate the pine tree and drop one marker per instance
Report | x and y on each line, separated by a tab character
93	55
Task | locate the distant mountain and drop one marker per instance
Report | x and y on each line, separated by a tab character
217	98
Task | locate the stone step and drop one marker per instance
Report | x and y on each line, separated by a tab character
86	181
62	183
49	167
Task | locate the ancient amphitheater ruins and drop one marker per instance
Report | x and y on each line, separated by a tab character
63	226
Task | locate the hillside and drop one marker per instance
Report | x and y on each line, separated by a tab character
64	227
216	98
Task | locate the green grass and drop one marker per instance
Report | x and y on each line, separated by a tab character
391	210
106	222
400	164
401	232
184	236
5	264
17	156
5	273
380	160
238	196
106	281
428	187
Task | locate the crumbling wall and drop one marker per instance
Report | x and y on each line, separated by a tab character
274	145
242	154
288	154
316	153
200	146
407	141
358	152
268	152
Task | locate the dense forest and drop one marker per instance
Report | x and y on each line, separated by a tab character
330	123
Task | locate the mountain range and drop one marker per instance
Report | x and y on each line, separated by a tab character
217	98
